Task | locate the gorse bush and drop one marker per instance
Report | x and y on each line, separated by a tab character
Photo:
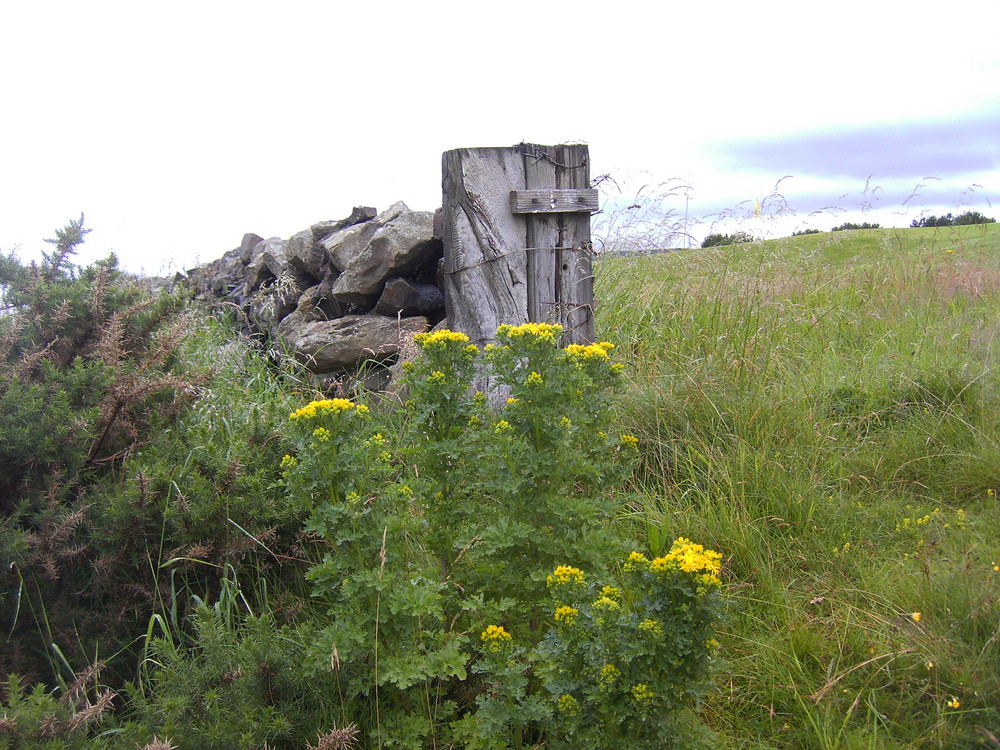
87	367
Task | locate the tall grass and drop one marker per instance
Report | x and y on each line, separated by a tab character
824	409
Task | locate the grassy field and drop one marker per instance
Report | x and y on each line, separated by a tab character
825	410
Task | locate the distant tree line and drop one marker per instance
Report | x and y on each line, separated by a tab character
717	239
969	217
851	225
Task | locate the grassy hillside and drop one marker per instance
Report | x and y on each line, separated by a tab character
824	410
197	550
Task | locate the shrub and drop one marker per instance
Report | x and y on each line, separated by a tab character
439	541
87	366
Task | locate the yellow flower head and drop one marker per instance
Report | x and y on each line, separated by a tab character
327	406
628	440
289	462
953	703
653	627
568	705
636	561
916	616
566	615
539	332
609	675
598	352
321	434
534	379
606	604
565	575
502	426
641	694
440	338
495	638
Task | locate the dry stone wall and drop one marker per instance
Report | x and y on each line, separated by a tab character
339	294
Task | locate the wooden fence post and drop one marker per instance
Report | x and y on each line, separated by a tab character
516	230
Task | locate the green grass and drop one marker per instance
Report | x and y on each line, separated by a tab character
824	410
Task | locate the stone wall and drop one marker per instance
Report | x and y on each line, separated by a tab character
339	294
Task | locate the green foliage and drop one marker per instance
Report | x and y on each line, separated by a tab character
238	685
452	524
87	366
718	239
964	219
804	232
826	409
848	225
34	719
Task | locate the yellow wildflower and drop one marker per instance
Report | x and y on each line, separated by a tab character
641	694
326	406
566	615
609	675
495	638
543	332
611	591
502	426
916	616
653	627
534	379
565	575
444	336
636	561
567	704
953	703
606	603
289	462
629	440
436	377
321	434
590	351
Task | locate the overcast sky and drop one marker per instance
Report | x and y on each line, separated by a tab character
177	127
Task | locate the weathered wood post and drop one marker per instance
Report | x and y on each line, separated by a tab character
517	248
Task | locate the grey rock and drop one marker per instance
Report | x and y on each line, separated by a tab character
250	241
306	255
392	244
331	345
266	263
346	245
324	229
403	297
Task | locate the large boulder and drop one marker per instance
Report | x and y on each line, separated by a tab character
394	243
344	343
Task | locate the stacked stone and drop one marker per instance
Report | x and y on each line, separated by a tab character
339	294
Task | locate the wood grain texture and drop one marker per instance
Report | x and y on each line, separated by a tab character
553	201
485	265
561	286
